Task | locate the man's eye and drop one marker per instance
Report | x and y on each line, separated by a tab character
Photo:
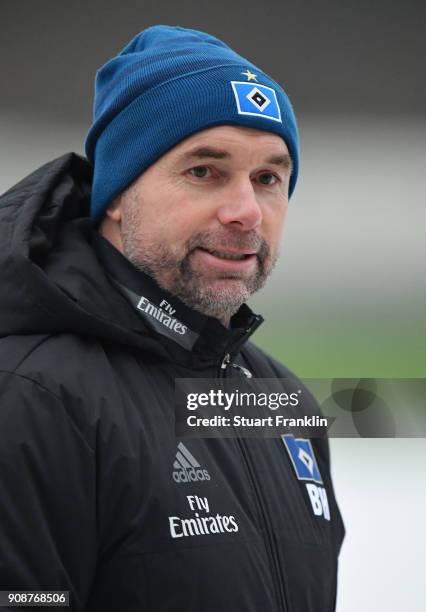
266	178
200	171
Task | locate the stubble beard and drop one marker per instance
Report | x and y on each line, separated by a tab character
218	297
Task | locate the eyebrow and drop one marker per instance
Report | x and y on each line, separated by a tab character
282	160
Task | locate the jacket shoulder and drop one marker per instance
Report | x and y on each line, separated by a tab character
65	366
48	359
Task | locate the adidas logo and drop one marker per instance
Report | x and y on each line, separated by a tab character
186	468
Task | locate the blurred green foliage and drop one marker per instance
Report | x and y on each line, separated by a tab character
338	348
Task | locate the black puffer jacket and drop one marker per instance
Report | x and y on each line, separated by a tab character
96	492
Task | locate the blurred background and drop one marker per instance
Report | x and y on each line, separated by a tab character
347	298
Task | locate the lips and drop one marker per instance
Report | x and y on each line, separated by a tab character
232	255
227	260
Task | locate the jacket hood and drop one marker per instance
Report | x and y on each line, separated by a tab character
51	277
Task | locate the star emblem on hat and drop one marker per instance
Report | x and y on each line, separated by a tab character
250	76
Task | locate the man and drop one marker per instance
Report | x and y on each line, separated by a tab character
119	276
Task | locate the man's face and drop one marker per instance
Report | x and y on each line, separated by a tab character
205	220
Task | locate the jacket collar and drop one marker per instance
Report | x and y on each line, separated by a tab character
189	337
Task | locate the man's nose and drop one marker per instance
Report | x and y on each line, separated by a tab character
239	206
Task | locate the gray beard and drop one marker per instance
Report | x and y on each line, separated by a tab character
179	278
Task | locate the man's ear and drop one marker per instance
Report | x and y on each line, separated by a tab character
113	211
110	226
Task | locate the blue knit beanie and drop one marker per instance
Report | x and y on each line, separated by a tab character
167	84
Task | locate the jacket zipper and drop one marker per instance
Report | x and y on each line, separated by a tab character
227	361
280	590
